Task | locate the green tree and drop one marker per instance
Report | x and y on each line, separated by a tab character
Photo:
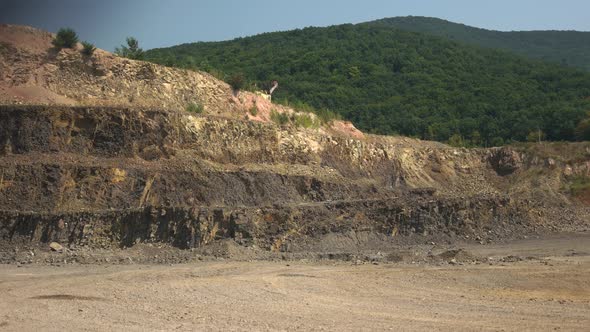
389	81
476	138
456	140
237	81
131	51
65	38
535	136
88	48
583	129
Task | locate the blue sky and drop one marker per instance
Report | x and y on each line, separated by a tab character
159	23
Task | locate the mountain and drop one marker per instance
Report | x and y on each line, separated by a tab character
390	81
571	48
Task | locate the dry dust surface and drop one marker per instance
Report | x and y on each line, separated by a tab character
549	293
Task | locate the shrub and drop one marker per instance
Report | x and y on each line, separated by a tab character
253	110
327	116
306	121
582	130
195	108
279	118
535	136
237	81
497	141
88	49
324	115
4	47
65	38
456	140
131	51
580	186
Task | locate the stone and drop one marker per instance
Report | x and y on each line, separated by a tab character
505	161
56	246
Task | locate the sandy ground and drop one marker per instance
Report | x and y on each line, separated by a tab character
549	293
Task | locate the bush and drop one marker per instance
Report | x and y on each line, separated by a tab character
253	110
88	49
582	130
497	141
456	140
326	116
195	108
306	121
279	118
131	51
580	185
65	38
237	81
535	136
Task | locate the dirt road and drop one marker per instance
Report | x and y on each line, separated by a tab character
549	293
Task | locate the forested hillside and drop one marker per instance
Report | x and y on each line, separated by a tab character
389	81
571	48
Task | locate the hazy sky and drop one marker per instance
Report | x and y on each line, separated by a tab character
158	23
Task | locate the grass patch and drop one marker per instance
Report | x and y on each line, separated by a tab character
325	116
253	110
279	118
580	185
4	48
306	121
195	108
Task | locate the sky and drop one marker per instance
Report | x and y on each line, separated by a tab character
161	23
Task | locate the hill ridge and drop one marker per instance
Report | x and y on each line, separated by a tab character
565	47
391	81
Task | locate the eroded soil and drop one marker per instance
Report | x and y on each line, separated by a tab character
533	284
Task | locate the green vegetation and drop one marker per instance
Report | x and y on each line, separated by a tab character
579	185
88	48
279	118
570	48
306	121
388	81
582	130
237	81
65	38
195	108
535	136
253	110
131	51
4	48
324	115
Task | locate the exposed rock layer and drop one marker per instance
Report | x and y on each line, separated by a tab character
108	176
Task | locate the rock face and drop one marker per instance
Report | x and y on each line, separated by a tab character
111	176
505	161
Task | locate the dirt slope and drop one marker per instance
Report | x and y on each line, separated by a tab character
33	72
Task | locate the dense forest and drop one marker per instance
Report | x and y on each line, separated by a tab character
571	48
389	81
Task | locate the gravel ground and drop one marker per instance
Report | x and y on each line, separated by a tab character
548	293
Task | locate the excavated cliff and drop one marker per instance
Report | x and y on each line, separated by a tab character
110	176
98	174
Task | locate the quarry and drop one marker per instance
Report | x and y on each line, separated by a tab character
113	196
